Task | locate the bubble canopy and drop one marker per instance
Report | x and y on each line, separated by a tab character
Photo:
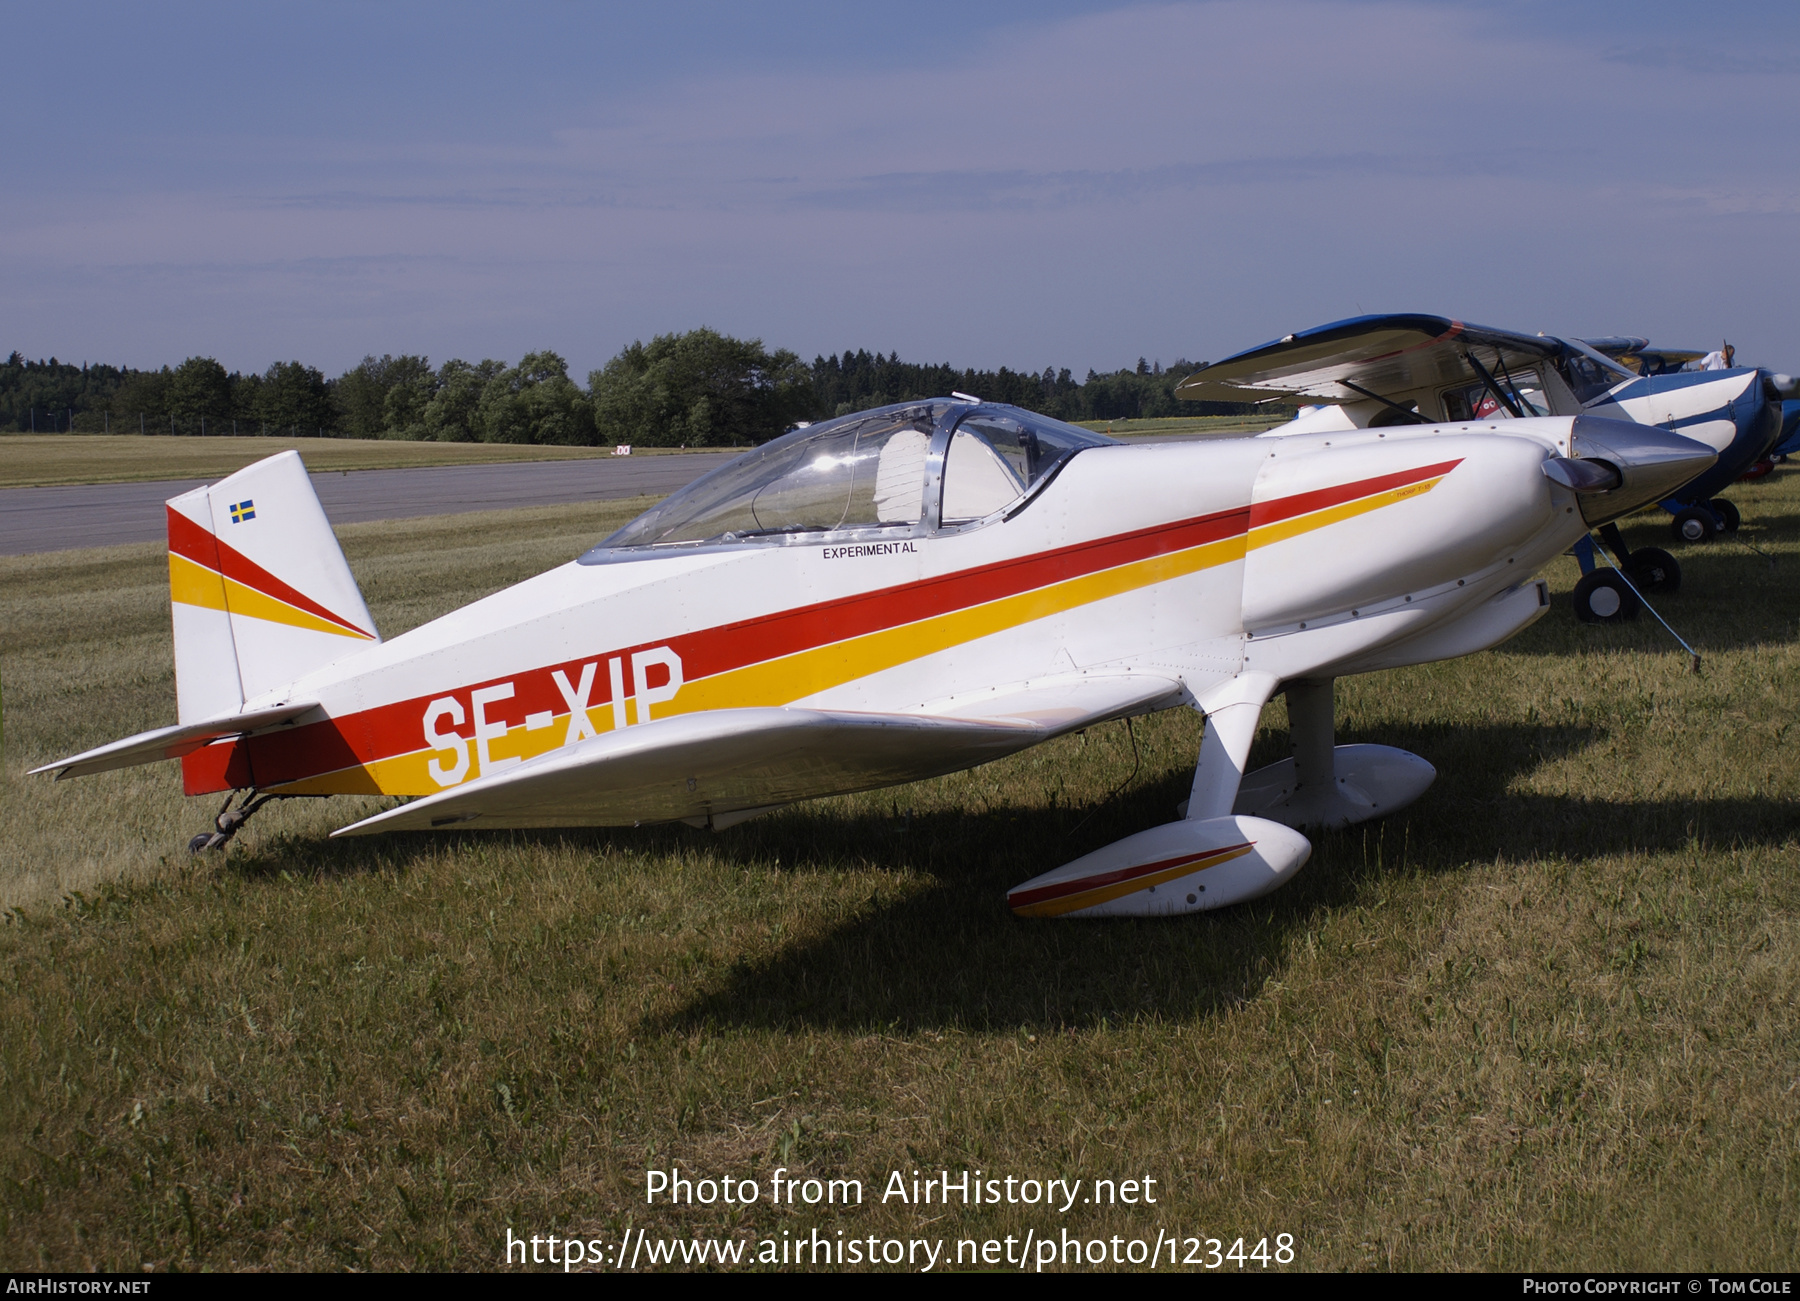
897	470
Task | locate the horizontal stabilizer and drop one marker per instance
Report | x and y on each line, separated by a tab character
172	742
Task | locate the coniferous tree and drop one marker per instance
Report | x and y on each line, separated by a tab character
295	399
199	394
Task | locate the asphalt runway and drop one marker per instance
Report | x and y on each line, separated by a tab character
104	515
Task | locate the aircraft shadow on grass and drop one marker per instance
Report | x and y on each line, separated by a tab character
952	955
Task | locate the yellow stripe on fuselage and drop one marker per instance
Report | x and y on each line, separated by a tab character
788	678
1265	534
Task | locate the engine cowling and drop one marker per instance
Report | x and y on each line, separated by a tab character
1336	528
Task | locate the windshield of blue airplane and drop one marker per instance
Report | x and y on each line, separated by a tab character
862	471
1588	379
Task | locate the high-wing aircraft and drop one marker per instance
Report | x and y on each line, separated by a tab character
1383	371
889	596
1637	356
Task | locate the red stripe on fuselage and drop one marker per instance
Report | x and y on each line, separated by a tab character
188	539
388	730
1305	503
751	641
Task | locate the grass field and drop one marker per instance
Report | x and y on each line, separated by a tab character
38	460
1188	425
1544	1019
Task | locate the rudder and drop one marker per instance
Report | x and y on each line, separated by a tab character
259	588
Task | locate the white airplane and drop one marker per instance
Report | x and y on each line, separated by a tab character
889	596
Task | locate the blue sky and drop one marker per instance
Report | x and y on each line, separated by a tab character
1059	184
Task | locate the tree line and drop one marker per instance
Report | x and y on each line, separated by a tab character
696	389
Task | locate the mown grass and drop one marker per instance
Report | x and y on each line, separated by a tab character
42	460
39	460
1544	1019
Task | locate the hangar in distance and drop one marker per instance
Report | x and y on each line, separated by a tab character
889	596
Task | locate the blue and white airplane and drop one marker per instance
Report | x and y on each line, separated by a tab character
1407	369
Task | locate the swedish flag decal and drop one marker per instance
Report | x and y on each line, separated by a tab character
242	510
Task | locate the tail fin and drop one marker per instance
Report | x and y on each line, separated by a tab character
260	589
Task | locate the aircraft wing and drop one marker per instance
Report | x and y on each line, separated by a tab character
172	742
1619	345
698	766
1636	354
1382	354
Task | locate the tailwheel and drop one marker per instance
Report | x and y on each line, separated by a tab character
229	821
1605	597
1729	518
1652	569
1693	525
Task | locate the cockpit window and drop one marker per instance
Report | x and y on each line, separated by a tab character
1524	388
977	479
993	459
863	471
1587	379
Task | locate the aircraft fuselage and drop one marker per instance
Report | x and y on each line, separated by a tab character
1301	557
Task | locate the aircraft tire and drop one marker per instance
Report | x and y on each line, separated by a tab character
1727	512
1604	597
1651	569
1693	525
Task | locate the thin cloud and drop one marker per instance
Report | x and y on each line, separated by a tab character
1705	60
1167	179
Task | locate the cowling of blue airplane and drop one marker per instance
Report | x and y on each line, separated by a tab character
1738	413
1789	442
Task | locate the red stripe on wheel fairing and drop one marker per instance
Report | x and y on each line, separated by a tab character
1061	889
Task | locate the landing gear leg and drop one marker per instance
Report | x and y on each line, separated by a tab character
1230	728
1650	569
228	821
1312	709
1615	543
1208	859
1328	785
